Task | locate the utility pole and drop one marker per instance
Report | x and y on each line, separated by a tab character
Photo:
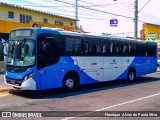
136	19
76	14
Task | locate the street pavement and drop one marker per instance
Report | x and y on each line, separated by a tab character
1	78
141	95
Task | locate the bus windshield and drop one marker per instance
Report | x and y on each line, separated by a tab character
21	53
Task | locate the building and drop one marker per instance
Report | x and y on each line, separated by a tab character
151	32
13	16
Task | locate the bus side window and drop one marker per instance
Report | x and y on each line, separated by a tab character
44	49
132	49
98	48
139	48
110	48
48	50
125	49
87	47
104	48
77	47
72	46
118	48
152	50
69	48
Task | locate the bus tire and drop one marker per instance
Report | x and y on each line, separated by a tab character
69	83
131	75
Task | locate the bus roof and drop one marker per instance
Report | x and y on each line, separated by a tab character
64	32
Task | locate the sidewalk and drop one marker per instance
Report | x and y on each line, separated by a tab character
6	88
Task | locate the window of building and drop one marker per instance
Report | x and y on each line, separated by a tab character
10	14
28	18
71	24
45	20
59	23
25	18
151	36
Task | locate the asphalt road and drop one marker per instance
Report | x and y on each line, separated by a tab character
141	95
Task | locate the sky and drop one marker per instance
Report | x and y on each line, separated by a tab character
94	15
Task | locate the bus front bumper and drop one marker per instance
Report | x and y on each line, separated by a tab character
28	84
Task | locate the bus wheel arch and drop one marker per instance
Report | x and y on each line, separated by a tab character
131	75
70	81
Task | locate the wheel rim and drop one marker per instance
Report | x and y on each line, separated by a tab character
69	83
131	76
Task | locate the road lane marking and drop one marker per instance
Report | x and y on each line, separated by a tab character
135	100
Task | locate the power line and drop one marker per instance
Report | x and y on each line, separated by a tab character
105	4
92	9
143	6
71	5
67	5
89	9
104	8
86	7
73	16
83	6
101	6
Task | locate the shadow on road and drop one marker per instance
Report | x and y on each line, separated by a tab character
58	93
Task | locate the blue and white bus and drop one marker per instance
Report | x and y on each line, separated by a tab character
46	58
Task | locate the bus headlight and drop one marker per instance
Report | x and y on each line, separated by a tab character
25	78
28	76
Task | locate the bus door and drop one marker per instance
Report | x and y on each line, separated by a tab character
94	67
93	60
112	60
48	56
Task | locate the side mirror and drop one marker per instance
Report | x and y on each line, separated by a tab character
5	44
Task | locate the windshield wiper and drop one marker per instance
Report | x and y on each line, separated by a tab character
23	42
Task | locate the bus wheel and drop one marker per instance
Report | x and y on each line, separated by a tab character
131	75
69	83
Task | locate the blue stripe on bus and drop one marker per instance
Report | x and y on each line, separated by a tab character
68	64
18	76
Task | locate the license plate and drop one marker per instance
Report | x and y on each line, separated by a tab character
13	82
